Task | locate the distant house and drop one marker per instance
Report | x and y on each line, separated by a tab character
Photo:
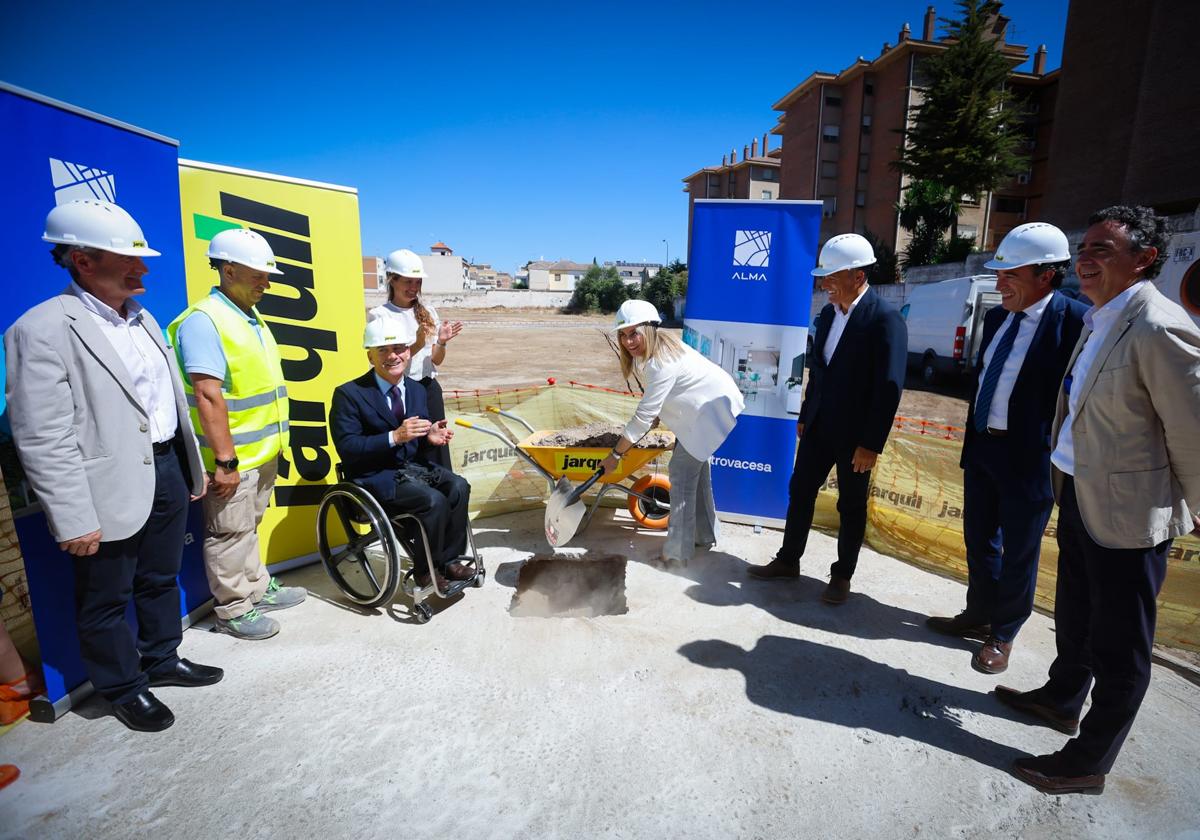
560	276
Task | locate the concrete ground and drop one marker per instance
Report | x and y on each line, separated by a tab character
715	707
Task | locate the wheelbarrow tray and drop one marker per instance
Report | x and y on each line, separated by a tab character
578	463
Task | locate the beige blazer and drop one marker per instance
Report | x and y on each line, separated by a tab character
82	435
1137	430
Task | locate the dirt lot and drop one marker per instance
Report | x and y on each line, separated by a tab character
508	347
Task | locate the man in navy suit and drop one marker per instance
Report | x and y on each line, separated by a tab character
858	361
383	435
1007	497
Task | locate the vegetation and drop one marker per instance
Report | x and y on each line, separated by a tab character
602	290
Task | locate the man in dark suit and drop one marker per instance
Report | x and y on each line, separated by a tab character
857	376
1007	498
383	435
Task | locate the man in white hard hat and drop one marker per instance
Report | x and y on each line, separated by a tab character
240	413
100	420
1007	498
1125	456
385	439
858	362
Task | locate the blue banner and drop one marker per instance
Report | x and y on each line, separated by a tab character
748	310
53	154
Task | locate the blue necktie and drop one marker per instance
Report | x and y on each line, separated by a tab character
397	403
987	390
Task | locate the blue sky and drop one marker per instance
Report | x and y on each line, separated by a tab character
510	131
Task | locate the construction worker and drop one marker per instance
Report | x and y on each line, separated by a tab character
858	360
239	409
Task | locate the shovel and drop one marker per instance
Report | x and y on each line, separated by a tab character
564	510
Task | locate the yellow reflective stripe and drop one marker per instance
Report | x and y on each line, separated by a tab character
243	403
243	438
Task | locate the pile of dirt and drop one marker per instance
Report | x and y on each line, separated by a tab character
600	436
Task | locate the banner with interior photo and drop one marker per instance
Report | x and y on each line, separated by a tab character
748	310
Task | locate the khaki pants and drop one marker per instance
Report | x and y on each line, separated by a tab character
236	574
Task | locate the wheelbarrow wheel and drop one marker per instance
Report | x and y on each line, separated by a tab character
655	512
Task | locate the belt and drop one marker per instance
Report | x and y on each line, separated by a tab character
164	447
997	432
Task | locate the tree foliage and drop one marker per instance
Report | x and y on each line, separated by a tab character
662	289
966	134
885	269
600	289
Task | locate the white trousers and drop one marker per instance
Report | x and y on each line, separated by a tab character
693	519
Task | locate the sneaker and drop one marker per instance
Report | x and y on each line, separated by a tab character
252	625
280	597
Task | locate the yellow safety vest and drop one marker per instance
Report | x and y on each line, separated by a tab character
257	397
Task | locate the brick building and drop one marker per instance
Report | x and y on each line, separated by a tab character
755	176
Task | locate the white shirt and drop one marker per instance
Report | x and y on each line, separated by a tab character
145	363
696	400
998	411
420	366
839	324
1099	323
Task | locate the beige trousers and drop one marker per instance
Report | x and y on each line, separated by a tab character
236	574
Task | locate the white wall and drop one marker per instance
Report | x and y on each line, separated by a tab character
485	298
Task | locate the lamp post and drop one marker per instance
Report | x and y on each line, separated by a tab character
666	244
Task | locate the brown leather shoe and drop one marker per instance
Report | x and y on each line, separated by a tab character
1042	772
992	658
1031	703
837	591
962	626
422	580
775	570
458	571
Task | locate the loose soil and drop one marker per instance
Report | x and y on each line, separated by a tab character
600	436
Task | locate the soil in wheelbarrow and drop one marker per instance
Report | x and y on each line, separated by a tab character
599	436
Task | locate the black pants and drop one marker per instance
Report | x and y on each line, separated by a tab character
1104	616
814	459
441	508
437	411
142	567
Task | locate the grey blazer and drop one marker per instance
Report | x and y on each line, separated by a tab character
1137	431
82	435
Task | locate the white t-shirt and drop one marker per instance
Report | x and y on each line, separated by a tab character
421	364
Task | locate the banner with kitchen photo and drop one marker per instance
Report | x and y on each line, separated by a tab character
748	310
315	311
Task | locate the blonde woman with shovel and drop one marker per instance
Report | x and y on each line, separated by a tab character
697	401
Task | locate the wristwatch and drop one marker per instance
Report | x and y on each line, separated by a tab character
231	464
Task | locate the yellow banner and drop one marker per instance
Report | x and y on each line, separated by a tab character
315	310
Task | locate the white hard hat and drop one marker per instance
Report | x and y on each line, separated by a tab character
384	331
97	224
1030	244
244	247
847	250
405	263
637	312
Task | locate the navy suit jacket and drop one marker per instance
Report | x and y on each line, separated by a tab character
361	422
1031	405
852	401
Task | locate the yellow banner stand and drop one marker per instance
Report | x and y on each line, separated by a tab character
315	310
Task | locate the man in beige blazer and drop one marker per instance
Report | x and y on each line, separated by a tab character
1126	474
101	425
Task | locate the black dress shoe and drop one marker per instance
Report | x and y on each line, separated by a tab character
144	713
961	625
1044	773
187	674
1031	702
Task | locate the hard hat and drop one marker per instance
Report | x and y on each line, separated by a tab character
405	263
637	312
1030	244
384	331
244	247
846	250
97	224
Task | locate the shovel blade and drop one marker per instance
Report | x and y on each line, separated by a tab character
563	516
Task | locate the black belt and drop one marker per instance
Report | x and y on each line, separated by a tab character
997	432
164	447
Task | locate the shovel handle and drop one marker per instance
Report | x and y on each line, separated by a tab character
583	488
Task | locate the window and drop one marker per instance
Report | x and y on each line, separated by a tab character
969	200
830	133
767	196
830	206
968	231
866	124
864	162
732	184
828	169
860	199
869	88
833	102
1009	204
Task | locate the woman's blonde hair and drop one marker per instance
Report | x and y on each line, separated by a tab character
424	319
660	346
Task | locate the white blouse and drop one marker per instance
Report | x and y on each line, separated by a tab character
421	364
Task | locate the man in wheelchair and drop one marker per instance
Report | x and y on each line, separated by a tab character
383	435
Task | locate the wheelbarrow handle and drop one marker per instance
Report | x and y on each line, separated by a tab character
583	488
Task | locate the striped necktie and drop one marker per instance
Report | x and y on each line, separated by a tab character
991	376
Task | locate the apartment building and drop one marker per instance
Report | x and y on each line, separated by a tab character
556	276
755	176
634	273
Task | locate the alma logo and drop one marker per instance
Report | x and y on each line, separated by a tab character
751	248
74	181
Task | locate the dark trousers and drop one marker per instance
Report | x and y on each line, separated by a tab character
1003	531
437	411
441	508
1104	617
814	459
142	567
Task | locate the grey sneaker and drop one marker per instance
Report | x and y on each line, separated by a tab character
251	625
281	597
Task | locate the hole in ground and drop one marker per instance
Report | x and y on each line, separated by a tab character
551	586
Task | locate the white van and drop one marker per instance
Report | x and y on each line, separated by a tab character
945	323
1180	276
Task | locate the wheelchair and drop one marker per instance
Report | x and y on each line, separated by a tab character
380	553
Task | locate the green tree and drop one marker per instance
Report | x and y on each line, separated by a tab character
886	268
966	133
927	210
600	289
662	289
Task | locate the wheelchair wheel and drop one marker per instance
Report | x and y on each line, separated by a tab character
654	513
367	567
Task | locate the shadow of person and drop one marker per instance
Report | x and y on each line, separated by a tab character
822	683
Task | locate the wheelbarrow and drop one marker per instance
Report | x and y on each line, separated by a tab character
649	496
